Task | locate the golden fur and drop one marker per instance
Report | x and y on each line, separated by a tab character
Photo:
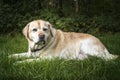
47	42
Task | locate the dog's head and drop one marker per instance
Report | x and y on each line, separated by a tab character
38	31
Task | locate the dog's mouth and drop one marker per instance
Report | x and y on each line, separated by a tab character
38	46
41	42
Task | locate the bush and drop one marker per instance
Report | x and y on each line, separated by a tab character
95	24
13	19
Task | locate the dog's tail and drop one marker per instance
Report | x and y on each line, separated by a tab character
109	56
113	56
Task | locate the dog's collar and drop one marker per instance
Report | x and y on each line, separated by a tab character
38	49
35	50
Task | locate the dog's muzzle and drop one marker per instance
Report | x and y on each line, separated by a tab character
42	37
41	40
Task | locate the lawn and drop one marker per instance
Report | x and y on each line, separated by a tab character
57	69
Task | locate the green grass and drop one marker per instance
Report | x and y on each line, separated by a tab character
58	69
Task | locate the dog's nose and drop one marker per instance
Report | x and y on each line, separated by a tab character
42	36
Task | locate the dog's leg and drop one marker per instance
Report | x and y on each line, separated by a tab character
82	55
27	61
35	59
20	55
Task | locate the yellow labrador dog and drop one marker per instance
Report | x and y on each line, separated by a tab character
46	42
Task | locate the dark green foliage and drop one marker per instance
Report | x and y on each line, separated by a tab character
92	17
95	24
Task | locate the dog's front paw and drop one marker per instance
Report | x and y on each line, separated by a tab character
13	56
20	55
27	61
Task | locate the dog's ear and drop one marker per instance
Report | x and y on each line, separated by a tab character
26	31
51	29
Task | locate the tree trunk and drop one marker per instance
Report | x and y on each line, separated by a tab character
87	3
76	6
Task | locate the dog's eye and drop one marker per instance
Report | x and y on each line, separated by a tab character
34	30
44	29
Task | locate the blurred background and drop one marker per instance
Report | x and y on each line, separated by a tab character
90	16
98	17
